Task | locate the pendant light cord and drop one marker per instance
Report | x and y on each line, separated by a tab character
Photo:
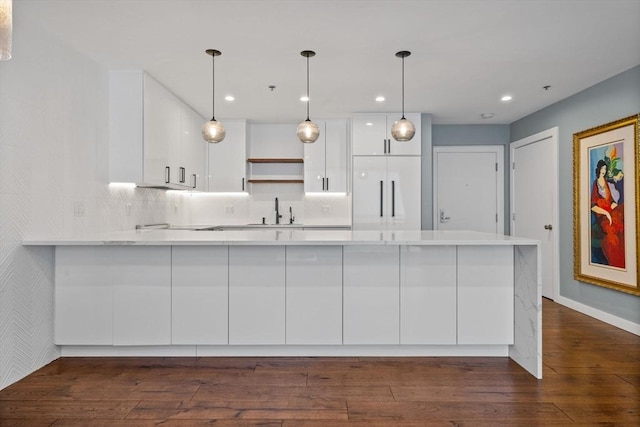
308	98
402	88
213	88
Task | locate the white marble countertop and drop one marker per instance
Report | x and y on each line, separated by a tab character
280	237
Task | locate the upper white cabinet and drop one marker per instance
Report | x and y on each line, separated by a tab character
228	159
325	161
386	193
372	135
154	138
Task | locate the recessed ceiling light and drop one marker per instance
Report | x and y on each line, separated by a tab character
304	98
506	98
229	98
369	124
379	98
486	115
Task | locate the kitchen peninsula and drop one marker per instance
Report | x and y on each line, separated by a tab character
282	292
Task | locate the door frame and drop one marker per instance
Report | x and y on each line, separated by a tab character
498	150
553	170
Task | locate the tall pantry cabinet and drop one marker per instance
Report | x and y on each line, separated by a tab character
386	180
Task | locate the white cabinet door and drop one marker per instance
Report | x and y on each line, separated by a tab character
325	161
161	134
403	193
371	295
141	295
336	135
314	295
372	135
428	295
485	295
199	295
83	296
193	150
256	295
408	148
369	192
369	134
228	159
315	162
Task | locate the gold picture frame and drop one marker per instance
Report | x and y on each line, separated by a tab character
606	205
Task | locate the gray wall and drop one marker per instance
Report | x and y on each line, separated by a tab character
470	135
612	99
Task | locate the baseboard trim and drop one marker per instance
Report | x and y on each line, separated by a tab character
612	320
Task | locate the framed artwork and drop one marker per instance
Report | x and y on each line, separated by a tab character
606	205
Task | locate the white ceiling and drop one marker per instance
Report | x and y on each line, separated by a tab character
466	54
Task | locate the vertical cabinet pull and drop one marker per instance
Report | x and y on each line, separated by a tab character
381	196
384	142
242	184
167	174
195	182
322	183
182	175
393	198
389	146
327	183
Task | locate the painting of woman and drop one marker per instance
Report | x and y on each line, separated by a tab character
607	226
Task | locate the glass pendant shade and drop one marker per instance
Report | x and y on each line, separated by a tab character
308	131
403	130
6	29
213	131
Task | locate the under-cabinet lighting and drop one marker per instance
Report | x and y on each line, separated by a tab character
506	98
325	194
380	98
214	195
122	184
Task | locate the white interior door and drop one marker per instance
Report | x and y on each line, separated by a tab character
534	199
468	188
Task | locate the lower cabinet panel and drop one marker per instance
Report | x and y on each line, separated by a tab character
485	295
428	309
141	295
256	295
200	295
314	295
371	295
83	296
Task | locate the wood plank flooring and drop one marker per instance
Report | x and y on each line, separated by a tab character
591	377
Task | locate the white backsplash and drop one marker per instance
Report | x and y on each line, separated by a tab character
245	208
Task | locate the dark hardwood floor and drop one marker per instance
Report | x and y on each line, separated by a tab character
591	377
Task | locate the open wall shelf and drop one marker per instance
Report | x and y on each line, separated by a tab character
276	170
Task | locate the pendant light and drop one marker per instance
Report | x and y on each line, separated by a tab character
6	29
403	130
308	131
213	131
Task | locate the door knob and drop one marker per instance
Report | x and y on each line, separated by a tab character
548	227
443	218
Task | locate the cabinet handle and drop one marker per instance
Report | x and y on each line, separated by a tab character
195	182
182	174
327	183
322	183
242	184
381	196
389	145
384	142
393	198
167	174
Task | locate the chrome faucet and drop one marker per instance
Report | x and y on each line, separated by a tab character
278	216
291	217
